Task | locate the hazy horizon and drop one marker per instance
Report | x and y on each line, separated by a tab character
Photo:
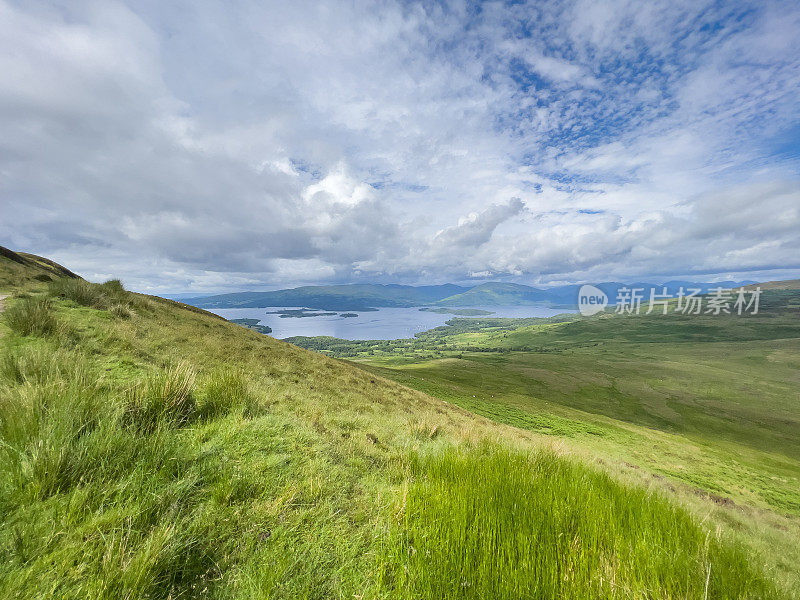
177	295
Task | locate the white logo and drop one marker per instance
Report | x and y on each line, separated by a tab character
591	300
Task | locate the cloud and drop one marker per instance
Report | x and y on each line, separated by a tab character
216	146
476	229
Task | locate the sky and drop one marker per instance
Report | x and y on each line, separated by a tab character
223	146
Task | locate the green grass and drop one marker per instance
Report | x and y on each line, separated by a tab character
79	291
110	295
23	271
489	523
715	416
164	400
32	316
112	489
171	454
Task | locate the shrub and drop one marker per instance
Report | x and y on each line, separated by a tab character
164	399
32	316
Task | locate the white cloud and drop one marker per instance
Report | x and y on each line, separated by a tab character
231	145
337	187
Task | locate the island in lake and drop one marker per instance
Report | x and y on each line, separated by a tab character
300	313
252	324
461	312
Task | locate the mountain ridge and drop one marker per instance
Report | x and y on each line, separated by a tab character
494	293
334	297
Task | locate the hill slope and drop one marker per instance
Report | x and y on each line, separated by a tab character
150	450
18	269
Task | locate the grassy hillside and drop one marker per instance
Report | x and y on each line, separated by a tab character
496	294
151	450
18	269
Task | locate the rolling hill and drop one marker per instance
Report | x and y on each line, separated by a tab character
149	449
20	268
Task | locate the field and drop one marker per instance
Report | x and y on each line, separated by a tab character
151	450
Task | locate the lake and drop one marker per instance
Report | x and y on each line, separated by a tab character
381	324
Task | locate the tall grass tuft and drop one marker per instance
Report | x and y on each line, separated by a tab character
111	296
113	288
120	311
32	316
490	523
89	506
223	392
79	291
164	399
50	404
10	371
116	296
47	429
39	365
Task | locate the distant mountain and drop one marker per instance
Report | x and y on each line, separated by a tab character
334	297
514	294
497	294
362	296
